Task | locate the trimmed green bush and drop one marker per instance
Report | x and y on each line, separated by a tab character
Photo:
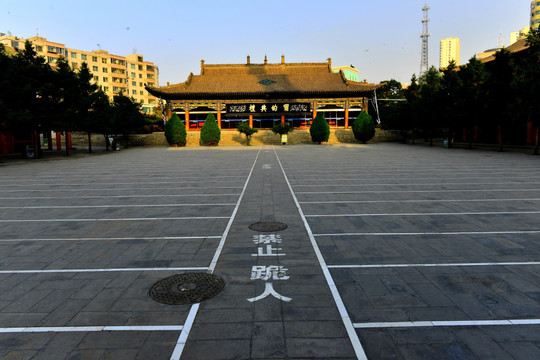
363	127
282	129
319	130
210	131
244	128
175	131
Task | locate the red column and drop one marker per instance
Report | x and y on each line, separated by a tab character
58	141
282	119
314	110
187	119
69	144
219	115
250	121
346	118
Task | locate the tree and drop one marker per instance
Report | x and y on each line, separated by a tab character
501	93
319	130
473	77
100	117
412	108
244	128
451	108
86	96
175	131
363	127
127	117
210	132
430	86
529	84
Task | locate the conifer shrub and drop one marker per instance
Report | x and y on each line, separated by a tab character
244	128
319	130
210	131
363	127
175	131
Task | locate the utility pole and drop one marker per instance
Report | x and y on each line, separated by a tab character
424	63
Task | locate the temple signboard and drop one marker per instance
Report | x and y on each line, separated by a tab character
268	108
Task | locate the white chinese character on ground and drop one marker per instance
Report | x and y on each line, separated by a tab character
274	107
267	239
267	251
263	108
266	272
286	107
269	290
252	108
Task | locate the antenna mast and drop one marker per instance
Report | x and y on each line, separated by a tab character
424	63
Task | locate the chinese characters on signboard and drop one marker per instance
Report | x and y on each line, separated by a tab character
268	108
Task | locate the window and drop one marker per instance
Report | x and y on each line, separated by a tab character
51	60
133	75
106	89
140	76
74	65
39	48
94	58
95	68
134	83
73	55
139	59
83	56
105	79
104	60
149	68
104	70
140	67
141	92
96	78
140	84
133	66
134	92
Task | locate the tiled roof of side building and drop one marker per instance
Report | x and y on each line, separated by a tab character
289	78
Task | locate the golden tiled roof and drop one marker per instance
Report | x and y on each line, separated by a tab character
518	46
264	80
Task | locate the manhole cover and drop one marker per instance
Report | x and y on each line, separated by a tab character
268	226
186	288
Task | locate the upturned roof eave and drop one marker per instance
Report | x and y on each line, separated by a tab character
259	95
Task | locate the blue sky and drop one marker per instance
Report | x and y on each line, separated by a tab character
380	38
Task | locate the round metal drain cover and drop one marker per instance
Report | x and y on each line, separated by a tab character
188	288
263	226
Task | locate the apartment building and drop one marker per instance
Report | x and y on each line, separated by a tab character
535	14
449	51
112	73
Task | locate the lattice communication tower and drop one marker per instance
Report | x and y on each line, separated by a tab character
424	63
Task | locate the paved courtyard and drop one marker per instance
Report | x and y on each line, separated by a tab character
391	251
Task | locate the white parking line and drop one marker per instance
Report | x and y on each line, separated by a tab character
112	196
376	266
53	271
434	233
431	214
405	324
413	191
110	206
412	201
118	219
114	238
353	336
42	329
